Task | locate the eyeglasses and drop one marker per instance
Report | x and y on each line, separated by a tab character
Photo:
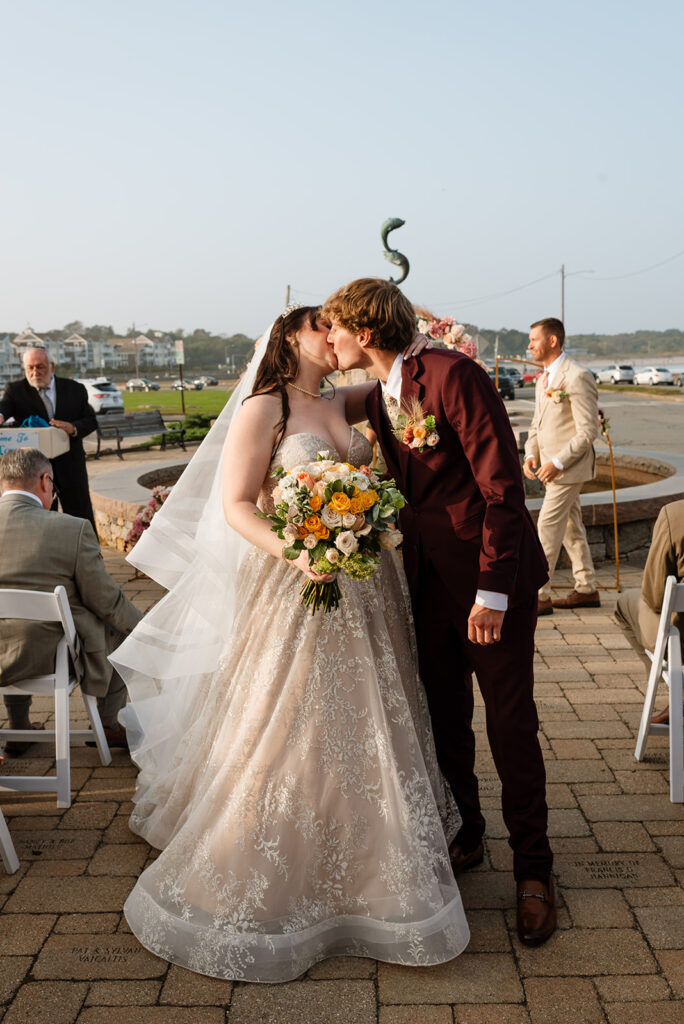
55	490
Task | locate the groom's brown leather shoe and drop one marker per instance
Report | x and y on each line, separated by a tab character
544	606
461	861
536	917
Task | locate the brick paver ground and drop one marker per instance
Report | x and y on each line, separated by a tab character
618	957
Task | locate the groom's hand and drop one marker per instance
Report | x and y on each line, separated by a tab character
484	625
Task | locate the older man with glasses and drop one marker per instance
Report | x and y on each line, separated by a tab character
40	551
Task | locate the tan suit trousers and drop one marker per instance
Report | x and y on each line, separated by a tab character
560	523
639	623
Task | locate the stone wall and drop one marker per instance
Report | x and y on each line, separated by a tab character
113	520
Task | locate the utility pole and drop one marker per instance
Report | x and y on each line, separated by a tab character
563	293
287	297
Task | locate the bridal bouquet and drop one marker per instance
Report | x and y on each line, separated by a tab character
341	515
146	515
452	334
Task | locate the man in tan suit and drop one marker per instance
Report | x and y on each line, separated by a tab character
638	611
42	550
560	452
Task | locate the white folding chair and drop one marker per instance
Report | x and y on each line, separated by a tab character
54	607
666	661
7	852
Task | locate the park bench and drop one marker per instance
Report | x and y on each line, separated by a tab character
117	425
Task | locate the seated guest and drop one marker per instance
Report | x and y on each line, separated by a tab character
40	551
638	612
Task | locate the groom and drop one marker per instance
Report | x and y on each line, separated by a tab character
474	565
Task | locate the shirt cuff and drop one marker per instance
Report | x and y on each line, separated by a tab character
490	599
530	456
558	464
75	433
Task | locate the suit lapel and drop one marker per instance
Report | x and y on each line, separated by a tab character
34	401
411	388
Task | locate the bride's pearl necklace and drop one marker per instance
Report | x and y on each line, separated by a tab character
311	394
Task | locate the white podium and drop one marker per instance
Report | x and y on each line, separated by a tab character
51	441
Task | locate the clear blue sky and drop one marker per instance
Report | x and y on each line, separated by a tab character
177	163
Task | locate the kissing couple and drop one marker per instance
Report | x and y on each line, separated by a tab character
309	779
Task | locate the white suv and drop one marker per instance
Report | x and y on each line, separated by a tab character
103	396
618	373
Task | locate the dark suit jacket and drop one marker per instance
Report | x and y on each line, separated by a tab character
42	550
21	400
466	501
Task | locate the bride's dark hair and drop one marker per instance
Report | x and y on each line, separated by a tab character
280	363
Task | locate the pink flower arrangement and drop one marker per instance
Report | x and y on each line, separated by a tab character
145	517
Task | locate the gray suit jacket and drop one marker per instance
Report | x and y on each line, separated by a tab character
40	550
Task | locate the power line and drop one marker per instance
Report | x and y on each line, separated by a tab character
495	295
644	270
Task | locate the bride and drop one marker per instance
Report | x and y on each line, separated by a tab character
287	766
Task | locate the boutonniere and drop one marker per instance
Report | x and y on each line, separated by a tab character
557	394
416	428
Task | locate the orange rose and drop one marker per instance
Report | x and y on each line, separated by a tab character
420	433
301	532
369	499
315	503
356	504
322	533
312	523
340	502
408	436
306	480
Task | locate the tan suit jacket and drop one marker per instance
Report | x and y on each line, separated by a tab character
566	429
665	558
40	550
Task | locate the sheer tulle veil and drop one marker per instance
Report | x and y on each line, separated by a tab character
190	549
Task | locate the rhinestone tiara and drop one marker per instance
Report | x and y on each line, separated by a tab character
291	308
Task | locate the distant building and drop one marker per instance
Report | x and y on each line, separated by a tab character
86	356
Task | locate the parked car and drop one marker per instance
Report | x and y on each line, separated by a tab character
103	395
187	385
208	381
141	384
653	375
512	372
529	377
506	389
616	373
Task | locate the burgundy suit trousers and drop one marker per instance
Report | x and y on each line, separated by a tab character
505	675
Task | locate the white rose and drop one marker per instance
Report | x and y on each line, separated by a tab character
348	520
293	514
433	439
416	443
326	462
290	534
391	539
361	481
331	518
332	554
319	489
330	475
347	542
359	523
364	530
310	541
315	472
277	495
457	331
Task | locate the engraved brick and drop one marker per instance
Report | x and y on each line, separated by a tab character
96	956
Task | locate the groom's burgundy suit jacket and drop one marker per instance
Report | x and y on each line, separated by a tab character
465	497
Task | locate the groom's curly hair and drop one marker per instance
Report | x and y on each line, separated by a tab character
378	305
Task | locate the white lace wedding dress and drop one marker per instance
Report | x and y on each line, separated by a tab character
304	815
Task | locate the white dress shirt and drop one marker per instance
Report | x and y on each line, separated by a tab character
552	371
27	494
392	387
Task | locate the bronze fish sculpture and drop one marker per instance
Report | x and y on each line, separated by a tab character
393	255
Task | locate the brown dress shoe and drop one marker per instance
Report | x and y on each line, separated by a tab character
115	736
536	917
461	861
663	717
15	748
544	606
577	600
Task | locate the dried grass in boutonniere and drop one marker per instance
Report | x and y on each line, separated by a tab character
557	394
416	428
